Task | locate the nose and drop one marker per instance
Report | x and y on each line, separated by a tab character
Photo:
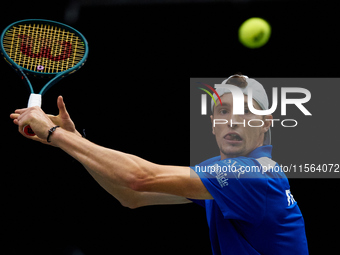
236	120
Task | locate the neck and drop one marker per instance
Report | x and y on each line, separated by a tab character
235	155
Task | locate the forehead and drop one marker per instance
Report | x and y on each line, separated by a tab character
227	100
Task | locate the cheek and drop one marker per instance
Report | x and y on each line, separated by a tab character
253	132
219	129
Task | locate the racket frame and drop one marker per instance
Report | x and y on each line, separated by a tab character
35	99
23	72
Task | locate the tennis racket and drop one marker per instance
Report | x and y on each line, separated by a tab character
44	49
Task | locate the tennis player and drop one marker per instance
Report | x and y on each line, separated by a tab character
248	212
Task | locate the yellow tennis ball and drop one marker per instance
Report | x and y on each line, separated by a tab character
254	32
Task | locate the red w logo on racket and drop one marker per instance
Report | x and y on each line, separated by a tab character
45	50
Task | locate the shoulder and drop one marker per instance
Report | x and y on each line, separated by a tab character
210	161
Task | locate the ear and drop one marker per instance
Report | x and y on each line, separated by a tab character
213	129
267	122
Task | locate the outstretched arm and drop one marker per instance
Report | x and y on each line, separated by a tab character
133	181
130	171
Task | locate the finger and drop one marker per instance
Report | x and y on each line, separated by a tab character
14	116
62	108
21	129
21	115
20	111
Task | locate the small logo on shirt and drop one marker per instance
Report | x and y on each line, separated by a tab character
221	177
290	198
236	169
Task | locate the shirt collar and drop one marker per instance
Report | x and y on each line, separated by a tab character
259	152
263	151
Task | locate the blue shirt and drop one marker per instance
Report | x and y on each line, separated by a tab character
253	210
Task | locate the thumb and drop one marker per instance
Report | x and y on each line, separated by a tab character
62	108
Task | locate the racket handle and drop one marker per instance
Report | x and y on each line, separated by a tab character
34	100
28	130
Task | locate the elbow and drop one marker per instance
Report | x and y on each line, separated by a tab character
140	174
137	184
134	200
130	204
140	181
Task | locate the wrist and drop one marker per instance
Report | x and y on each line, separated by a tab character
56	136
50	132
61	137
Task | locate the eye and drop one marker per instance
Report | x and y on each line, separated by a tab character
223	111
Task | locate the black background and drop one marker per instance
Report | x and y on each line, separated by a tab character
133	95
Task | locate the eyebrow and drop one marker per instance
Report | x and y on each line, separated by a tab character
223	105
228	104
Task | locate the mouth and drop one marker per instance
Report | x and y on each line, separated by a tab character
233	137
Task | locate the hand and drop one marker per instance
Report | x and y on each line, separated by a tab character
62	119
39	122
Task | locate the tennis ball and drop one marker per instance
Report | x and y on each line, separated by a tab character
254	32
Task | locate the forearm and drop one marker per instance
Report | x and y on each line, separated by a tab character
125	196
120	193
116	167
113	170
134	199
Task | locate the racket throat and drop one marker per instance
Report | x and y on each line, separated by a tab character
34	100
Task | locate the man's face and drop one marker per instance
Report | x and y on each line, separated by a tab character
238	139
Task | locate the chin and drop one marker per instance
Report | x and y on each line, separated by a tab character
232	152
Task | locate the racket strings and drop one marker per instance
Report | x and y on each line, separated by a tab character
43	48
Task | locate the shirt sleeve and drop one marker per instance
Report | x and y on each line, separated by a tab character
197	201
238	194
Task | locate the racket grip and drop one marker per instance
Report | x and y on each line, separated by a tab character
34	100
28	130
